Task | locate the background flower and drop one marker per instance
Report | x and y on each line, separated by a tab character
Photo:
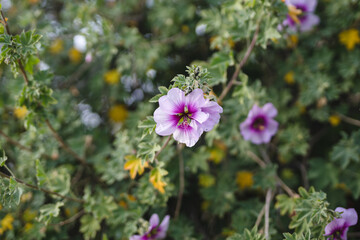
260	126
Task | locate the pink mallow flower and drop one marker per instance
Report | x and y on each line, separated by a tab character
259	125
186	117
339	227
155	231
301	15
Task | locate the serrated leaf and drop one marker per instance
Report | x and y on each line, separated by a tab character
163	90
89	226
48	211
40	173
3	159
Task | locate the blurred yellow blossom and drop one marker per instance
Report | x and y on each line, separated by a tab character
26	197
156	178
244	179
206	180
123	204
75	55
28	227
20	112
112	77
302	108
349	38
0	206
205	205
334	120
29	215
185	28
57	46
134	165
292	41
131	198
33	1
118	113
6	223
218	152
289	77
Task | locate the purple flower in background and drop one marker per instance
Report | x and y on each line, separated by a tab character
155	231
301	15
339	227
186	117
259	125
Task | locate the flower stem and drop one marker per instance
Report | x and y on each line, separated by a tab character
63	144
70	220
350	120
162	148
181	180
241	64
16	143
267	210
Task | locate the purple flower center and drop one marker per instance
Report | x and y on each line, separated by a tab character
183	118
299	18
259	123
152	234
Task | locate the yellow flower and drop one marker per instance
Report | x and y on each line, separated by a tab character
123	204
28	227
244	179
6	222
131	198
134	165
292	41
26	197
334	120
20	112
218	152
156	176
0	206
289	78
349	38
57	46
302	108
112	77
205	205
231	43
206	180
118	113
29	215
75	55
185	28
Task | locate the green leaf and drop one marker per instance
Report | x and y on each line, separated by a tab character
40	173
89	226
3	159
48	211
163	90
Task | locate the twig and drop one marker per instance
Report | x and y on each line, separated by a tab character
350	120
23	72
70	220
63	144
259	217
16	143
181	181
5	23
42	189
267	210
240	65
262	164
162	148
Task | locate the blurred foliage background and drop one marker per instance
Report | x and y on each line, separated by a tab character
92	67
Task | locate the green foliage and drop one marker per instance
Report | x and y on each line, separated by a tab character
248	235
48	211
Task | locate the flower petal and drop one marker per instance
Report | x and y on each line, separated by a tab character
173	102
135	237
214	110
334	226
349	215
189	135
154	221
270	110
163	227
195	99
309	22
200	116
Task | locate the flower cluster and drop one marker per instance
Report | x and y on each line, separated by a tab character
301	15
339	227
259	125
186	117
155	231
